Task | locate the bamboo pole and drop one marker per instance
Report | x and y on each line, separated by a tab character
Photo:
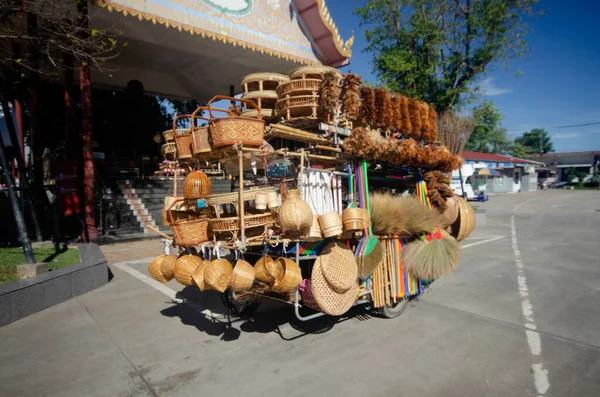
155	230
241	214
328	148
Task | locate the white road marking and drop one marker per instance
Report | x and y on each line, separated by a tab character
489	240
160	286
540	375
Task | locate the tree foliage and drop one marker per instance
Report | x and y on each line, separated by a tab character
535	141
45	37
436	49
488	136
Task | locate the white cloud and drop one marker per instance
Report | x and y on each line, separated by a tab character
488	88
567	135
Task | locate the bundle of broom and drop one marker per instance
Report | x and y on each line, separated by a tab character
330	93
433	255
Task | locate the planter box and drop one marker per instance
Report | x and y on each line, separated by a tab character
25	297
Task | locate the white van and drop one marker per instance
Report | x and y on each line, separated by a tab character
467	172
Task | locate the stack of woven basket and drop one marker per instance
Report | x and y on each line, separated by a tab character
299	98
261	88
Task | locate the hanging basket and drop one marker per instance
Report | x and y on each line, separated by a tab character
183	139
196	185
218	274
169	150
185	266
200	135
230	130
291	278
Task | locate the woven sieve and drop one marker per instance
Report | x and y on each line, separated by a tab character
330	301
339	267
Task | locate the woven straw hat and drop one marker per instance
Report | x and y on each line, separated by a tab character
292	276
242	277
329	300
198	276
339	267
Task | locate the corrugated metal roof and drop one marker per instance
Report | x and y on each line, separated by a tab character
477	156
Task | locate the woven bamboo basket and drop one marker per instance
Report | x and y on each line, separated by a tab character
242	277
299	87
198	276
154	269
298	106
188	232
272	200
352	219
267	270
262	81
260	201
295	215
200	134
366	218
314	233
184	267
180	212
291	278
312	72
465	223
328	299
331	224
183	138
218	274
168	136
451	213
230	130
169	150
264	113
196	185
166	266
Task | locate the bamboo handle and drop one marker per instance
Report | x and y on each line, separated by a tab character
328	148
149	226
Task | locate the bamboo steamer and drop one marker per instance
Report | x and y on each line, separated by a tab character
331	224
272	200
154	268
291	278
352	219
295	215
242	277
314	233
268	270
198	276
260	201
218	274
167	265
184	267
196	185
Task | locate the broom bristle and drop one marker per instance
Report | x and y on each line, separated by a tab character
431	260
399	214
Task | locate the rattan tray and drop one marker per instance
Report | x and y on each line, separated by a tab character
298	106
232	225
262	81
312	72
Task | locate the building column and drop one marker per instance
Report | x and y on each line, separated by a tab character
85	85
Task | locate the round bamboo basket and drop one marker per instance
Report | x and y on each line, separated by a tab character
292	276
328	299
268	270
169	150
352	219
331	224
314	72
295	214
198	276
184	146
168	136
218	274
242	277
314	233
154	269
196	185
272	200
366	218
451	213
298	106
260	201
184	267
465	223
166	266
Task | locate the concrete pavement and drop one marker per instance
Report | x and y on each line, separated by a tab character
465	337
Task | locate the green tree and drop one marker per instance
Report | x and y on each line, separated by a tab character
537	140
518	150
436	49
488	136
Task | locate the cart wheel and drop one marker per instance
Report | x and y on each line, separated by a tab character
236	308
394	310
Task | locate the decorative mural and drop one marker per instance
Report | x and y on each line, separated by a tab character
267	26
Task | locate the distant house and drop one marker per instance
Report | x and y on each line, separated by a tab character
494	173
588	162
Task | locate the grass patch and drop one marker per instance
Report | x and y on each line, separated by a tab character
11	257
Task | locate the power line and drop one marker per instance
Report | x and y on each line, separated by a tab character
557	126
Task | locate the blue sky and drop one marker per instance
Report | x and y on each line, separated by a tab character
560	84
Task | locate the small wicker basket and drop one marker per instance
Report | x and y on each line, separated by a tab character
331	224
299	87
169	150
267	270
298	106
188	232
242	277
154	268
198	276
291	278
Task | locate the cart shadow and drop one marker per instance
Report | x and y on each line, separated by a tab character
207	312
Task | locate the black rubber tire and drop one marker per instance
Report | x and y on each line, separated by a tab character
394	310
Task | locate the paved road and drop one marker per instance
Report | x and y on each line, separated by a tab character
520	317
